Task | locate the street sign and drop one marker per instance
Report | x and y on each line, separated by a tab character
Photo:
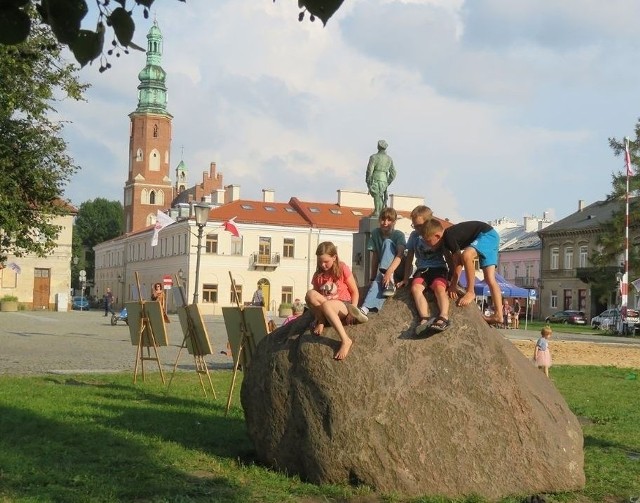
167	281
83	275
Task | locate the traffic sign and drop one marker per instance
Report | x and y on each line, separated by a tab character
82	274
167	281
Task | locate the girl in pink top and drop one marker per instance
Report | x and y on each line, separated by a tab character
334	296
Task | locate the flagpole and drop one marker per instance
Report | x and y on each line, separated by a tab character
624	286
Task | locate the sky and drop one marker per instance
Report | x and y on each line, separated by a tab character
491	108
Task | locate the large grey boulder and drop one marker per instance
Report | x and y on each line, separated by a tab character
462	412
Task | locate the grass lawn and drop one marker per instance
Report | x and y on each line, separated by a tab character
100	438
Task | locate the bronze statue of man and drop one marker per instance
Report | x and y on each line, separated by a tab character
380	174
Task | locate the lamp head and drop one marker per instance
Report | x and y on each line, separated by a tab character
201	212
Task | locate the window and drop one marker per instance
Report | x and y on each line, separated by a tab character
554	299
335	211
264	250
155	130
288	247
239	292
555	258
152	197
212	243
582	260
287	295
210	293
582	299
568	257
568	299
236	245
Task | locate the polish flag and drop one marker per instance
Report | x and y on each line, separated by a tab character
231	227
162	220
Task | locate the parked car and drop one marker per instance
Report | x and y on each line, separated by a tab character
567	316
606	319
80	303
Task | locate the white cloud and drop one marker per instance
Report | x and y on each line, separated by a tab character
490	107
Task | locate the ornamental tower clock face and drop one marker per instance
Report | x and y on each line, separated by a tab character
148	187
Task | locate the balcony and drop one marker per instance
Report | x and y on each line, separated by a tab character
267	262
525	281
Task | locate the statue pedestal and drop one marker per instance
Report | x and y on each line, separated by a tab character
361	260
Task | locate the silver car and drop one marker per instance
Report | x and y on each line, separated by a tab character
606	319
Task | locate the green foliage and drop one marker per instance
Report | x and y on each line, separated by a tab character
9	298
65	17
115	441
611	241
34	165
97	221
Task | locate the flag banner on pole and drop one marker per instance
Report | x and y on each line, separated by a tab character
231	227
14	267
627	159
162	220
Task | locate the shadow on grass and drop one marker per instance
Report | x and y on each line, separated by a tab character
104	451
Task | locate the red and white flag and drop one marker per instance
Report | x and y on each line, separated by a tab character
627	157
162	220
231	227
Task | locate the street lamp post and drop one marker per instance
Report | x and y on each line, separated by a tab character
202	215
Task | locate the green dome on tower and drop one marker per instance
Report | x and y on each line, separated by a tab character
152	91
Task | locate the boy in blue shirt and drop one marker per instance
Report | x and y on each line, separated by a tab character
387	246
431	272
462	244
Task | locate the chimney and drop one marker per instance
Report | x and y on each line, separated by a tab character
580	204
268	195
217	197
232	193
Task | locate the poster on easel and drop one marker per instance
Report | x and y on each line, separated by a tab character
199	344
152	310
256	324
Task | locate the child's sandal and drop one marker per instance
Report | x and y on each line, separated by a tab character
424	326
440	324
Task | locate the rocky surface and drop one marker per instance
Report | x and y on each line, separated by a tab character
457	413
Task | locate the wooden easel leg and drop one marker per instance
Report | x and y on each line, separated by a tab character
202	368
175	365
138	359
233	379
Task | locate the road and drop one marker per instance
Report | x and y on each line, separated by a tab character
38	342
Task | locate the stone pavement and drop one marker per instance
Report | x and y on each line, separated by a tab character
39	342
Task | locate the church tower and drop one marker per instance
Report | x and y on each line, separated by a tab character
148	187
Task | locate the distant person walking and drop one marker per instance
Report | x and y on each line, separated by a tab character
258	297
516	314
107	298
542	353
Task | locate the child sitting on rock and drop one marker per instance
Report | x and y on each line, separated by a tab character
431	272
334	297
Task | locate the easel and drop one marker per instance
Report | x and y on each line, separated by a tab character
144	332
190	340
244	339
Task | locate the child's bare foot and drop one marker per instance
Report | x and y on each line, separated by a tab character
344	350
493	320
319	328
467	299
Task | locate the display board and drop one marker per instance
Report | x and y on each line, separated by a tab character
235	318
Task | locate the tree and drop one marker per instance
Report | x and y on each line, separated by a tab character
34	165
612	238
65	17
97	221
